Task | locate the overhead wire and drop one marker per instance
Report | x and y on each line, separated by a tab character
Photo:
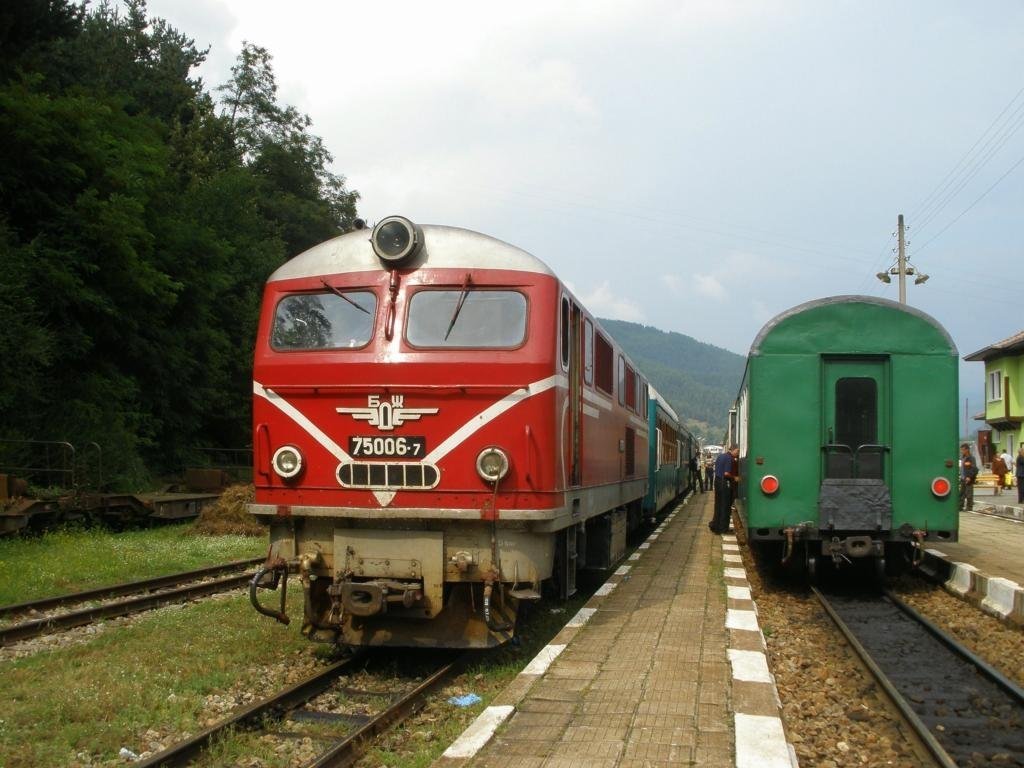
980	163
922	206
934	237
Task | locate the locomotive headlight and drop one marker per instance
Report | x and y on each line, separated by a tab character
287	461
492	464
395	239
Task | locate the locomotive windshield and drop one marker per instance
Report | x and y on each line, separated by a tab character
311	321
468	318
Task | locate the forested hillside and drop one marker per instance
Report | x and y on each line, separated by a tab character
140	214
699	380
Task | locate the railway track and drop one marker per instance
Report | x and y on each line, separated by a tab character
152	593
965	712
315	701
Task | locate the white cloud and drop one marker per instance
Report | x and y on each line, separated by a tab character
709	285
603	303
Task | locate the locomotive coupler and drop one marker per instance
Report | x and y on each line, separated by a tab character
269	575
368	598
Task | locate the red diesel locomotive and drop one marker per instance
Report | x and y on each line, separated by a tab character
441	431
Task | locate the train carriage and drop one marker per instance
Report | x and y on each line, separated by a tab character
670	450
847	429
440	430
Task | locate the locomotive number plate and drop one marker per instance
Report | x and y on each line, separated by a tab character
388	447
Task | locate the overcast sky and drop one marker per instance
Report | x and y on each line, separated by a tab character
695	166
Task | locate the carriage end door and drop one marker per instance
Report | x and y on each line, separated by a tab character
856	418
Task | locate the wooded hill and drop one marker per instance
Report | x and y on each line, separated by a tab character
139	219
699	380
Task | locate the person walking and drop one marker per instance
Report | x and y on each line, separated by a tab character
968	474
696	479
1020	475
1008	477
726	476
1000	469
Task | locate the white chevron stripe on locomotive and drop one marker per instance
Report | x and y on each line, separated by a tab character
300	418
483	418
493	411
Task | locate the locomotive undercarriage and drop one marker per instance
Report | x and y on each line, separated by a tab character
399	583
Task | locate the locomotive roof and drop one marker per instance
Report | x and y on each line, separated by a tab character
442	247
853	324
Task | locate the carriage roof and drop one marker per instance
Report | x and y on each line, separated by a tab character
853	325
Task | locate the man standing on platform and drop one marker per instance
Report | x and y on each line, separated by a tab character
968	474
725	483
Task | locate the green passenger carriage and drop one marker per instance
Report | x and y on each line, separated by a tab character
670	446
847	428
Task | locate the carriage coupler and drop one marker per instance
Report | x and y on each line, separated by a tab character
269	576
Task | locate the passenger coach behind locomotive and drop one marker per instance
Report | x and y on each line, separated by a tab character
440	427
847	428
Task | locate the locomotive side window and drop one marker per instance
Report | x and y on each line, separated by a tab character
564	325
588	352
856	412
469	318
622	381
310	321
604	374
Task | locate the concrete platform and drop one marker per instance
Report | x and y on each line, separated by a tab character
986	567
665	665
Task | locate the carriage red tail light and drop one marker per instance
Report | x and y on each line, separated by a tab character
941	487
769	485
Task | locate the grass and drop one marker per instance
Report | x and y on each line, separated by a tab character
156	673
75	559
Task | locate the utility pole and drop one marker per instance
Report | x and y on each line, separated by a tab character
902	262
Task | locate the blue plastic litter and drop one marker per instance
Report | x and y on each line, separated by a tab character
464	701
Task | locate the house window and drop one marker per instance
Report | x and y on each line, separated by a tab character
995	385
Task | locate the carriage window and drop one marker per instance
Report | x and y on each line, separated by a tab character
470	319
856	412
622	381
311	321
603	374
588	352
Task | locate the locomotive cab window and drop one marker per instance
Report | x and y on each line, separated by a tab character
311	321
468	318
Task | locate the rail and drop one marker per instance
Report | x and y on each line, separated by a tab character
343	753
26	630
932	678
